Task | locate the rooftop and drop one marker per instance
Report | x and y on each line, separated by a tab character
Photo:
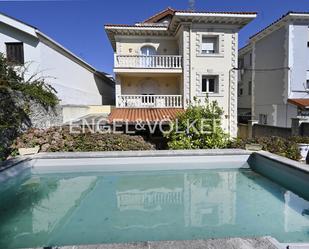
143	115
277	23
167	22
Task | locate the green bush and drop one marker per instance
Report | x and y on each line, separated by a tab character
35	88
203	116
277	145
61	140
16	92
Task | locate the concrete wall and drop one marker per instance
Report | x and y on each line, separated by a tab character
215	65
267	130
71	113
154	84
130	45
299	62
244	77
270	91
283	48
75	84
243	131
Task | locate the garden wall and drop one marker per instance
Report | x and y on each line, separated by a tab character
259	130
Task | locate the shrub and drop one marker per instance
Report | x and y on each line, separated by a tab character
277	145
193	137
61	140
16	92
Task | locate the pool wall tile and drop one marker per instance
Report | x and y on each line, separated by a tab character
289	174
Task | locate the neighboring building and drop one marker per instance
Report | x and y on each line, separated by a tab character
278	71
244	86
76	82
165	62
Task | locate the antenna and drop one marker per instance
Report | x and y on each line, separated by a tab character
192	5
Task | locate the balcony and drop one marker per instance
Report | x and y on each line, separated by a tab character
173	62
149	101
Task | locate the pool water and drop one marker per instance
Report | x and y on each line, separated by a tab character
93	208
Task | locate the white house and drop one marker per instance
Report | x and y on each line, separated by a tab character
275	71
76	82
165	62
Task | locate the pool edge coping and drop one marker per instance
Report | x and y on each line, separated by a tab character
145	153
284	160
216	243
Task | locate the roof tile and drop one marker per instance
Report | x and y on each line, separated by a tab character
151	115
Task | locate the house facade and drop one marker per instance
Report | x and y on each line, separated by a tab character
278	71
76	82
166	62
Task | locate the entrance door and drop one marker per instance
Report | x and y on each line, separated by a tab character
149	88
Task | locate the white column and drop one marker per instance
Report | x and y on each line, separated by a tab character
117	88
186	64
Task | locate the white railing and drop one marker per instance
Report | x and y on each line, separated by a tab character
149	101
151	61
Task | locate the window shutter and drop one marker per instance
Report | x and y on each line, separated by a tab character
204	84
15	52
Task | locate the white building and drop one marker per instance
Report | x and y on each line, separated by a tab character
165	62
244	85
276	67
76	82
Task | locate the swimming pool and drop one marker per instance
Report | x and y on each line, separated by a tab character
73	201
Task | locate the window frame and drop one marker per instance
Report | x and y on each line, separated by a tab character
14	60
216	45
216	84
149	48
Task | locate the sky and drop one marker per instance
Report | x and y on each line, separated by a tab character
79	24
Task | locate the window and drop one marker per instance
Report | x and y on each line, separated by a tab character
147	60
250	58
209	84
250	88
307	85
263	119
308	44
148	50
15	52
209	45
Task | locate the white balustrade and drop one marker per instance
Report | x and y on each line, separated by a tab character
151	61
149	101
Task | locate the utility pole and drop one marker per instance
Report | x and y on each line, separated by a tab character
192	5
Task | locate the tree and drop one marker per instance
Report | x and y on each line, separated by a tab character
199	127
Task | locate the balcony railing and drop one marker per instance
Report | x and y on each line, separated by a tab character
149	101
151	61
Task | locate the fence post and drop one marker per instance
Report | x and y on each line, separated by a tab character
251	123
